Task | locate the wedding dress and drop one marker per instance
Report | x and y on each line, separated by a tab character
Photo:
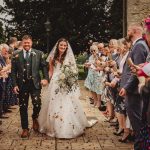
61	114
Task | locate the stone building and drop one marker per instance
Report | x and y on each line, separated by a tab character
134	11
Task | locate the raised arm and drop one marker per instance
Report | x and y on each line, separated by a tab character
138	57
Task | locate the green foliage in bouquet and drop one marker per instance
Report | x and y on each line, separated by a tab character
68	79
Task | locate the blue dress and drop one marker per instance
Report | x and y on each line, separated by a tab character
94	79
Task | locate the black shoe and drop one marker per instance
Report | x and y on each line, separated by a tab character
12	107
119	133
91	102
102	108
4	117
127	138
8	111
1	131
117	128
132	138
91	99
108	119
115	124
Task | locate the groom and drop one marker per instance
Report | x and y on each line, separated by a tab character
26	66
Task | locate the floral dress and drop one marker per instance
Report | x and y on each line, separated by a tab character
94	79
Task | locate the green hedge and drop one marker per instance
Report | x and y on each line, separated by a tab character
82	72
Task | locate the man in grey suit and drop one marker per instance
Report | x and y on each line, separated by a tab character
138	54
26	66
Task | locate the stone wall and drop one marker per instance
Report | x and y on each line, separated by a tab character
137	10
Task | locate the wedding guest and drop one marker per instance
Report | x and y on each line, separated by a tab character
100	48
93	80
143	141
113	46
12	44
108	95
3	79
19	47
139	52
120	109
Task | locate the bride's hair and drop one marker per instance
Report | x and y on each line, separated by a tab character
56	55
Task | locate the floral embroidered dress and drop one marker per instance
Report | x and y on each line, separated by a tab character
62	115
94	80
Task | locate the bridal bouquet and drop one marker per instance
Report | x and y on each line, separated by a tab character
68	78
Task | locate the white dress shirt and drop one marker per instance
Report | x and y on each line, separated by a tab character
25	52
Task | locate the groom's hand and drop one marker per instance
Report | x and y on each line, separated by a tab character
44	82
16	90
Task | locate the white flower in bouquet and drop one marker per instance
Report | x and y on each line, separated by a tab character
67	69
62	76
75	71
33	54
68	78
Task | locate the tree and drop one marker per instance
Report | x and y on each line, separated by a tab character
79	21
2	36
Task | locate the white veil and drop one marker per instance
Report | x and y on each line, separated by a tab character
69	59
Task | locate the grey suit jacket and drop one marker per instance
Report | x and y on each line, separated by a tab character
126	73
38	63
138	55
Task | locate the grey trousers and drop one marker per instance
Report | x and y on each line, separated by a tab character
134	107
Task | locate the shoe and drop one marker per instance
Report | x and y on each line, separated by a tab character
108	119
127	138
91	102
114	120
115	124
91	99
35	125
1	131
117	127
132	138
92	105
12	107
8	111
25	133
118	133
102	108
3	117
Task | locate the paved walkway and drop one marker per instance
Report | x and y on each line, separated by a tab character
99	137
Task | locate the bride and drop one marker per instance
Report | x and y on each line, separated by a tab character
62	115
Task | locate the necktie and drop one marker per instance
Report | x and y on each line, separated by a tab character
27	55
27	65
